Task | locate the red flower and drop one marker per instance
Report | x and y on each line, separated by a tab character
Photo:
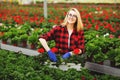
112	29
106	17
0	15
54	49
41	20
98	8
76	51
89	26
119	36
94	79
93	20
83	78
96	27
41	50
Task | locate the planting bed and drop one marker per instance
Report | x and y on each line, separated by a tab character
20	24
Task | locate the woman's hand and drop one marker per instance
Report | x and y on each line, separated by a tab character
67	55
74	52
52	56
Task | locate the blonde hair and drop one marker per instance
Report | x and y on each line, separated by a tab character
78	24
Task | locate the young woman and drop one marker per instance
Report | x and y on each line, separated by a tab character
69	36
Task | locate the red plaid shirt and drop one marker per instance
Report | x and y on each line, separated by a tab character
60	35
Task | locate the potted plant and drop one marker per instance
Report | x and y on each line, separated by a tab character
112	54
99	58
117	61
32	40
26	27
1	35
91	50
23	40
5	37
15	40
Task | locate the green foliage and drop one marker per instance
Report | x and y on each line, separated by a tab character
21	31
51	43
16	40
26	27
117	60
17	66
91	34
23	37
33	39
3	29
13	32
5	36
114	55
100	57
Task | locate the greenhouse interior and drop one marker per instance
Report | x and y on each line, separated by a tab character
59	39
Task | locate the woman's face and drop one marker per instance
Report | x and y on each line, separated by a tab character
72	17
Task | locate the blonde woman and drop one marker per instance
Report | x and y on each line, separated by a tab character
69	36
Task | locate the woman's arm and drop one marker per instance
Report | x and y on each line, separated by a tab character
44	44
81	42
51	55
47	37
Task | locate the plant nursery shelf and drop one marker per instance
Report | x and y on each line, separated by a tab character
25	51
103	69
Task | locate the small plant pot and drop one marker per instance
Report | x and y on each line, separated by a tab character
32	46
112	63
101	63
4	41
1	33
24	44
15	44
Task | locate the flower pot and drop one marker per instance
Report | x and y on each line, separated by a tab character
1	33
24	43
32	46
15	44
112	63
4	41
100	63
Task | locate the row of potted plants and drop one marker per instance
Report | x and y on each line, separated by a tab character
21	35
17	66
99	46
93	17
102	47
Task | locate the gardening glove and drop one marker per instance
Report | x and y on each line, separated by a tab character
66	55
52	56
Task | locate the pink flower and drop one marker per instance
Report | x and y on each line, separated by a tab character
111	36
